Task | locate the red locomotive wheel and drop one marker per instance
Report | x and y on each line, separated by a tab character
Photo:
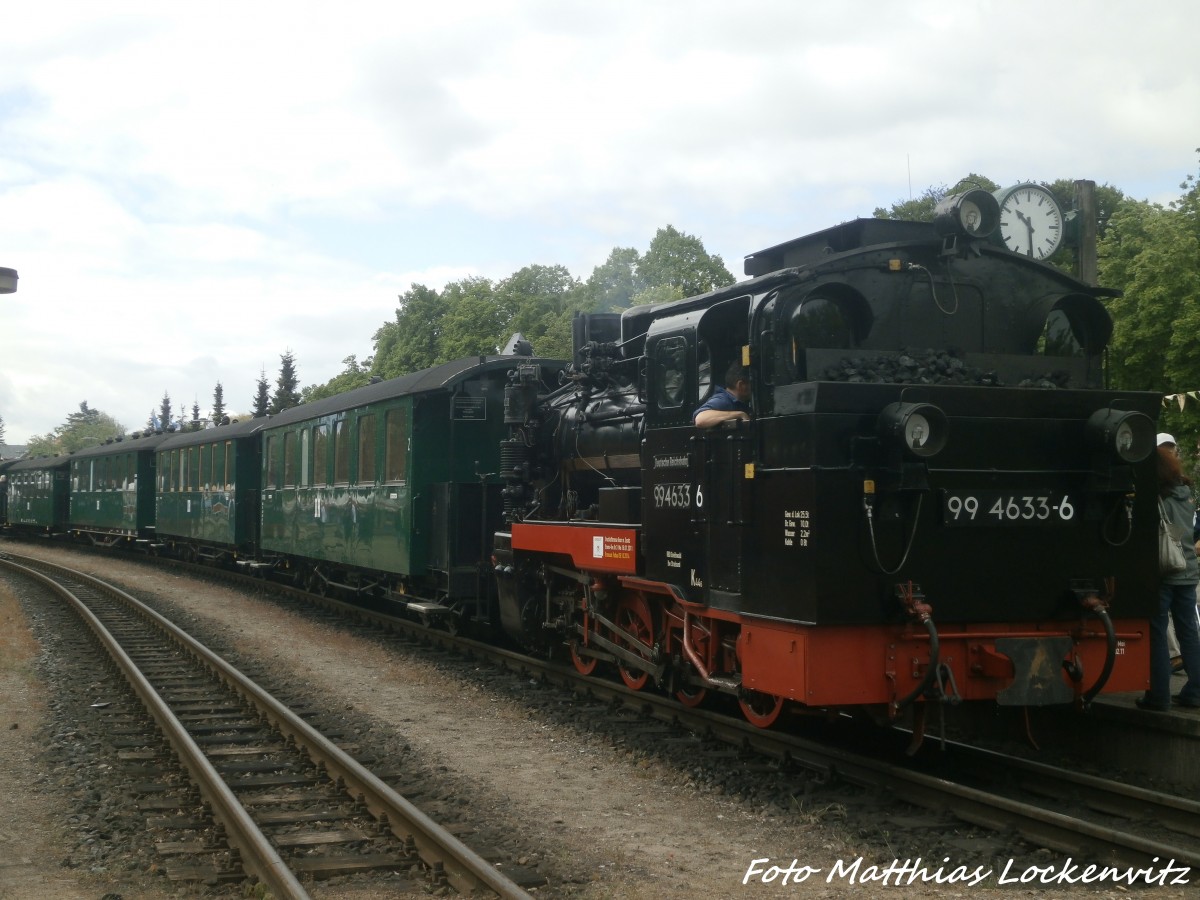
761	710
691	696
584	665
633	616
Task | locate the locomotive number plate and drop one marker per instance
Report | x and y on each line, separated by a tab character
1004	508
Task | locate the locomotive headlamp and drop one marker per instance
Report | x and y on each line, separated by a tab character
919	428
974	213
1129	436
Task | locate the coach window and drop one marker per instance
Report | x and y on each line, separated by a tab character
228	472
205	466
396	452
194	469
305	480
272	462
341	452
366	449
289	459
320	454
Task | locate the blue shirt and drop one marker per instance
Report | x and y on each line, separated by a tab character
723	401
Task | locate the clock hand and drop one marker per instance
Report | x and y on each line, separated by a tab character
1029	225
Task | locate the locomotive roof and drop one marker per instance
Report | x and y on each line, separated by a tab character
425	381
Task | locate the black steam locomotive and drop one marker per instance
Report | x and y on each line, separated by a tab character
937	498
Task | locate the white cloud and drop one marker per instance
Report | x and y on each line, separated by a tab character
189	193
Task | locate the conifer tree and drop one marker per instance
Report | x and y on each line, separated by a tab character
286	396
261	403
164	412
218	407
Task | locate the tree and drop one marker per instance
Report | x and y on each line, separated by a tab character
218	407
540	302
680	260
473	317
354	375
411	342
261	403
83	428
286	395
920	209
164	412
615	282
195	413
1149	252
1	429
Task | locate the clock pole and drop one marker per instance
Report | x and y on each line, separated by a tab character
1085	202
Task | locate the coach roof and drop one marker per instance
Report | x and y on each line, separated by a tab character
438	378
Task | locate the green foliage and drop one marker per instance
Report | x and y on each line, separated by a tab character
1	429
680	260
1150	252
355	375
476	316
261	404
218	407
164	411
286	394
920	208
84	428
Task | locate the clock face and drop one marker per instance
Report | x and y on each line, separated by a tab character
1031	222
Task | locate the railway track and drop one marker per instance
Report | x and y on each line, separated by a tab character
1050	807
280	802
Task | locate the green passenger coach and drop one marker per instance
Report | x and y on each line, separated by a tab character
37	494
392	490
112	490
207	492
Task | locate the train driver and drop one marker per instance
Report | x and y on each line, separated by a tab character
727	403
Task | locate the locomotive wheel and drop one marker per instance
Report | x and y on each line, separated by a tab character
691	696
584	665
761	710
633	616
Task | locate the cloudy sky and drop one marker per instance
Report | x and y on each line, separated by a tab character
188	194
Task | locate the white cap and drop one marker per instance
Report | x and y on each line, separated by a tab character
1164	438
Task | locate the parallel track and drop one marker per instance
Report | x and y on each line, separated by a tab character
284	778
1049	806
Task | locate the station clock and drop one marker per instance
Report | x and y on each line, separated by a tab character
1031	221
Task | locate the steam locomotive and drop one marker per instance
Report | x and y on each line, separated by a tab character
936	500
895	524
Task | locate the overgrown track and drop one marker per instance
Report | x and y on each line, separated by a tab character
287	802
